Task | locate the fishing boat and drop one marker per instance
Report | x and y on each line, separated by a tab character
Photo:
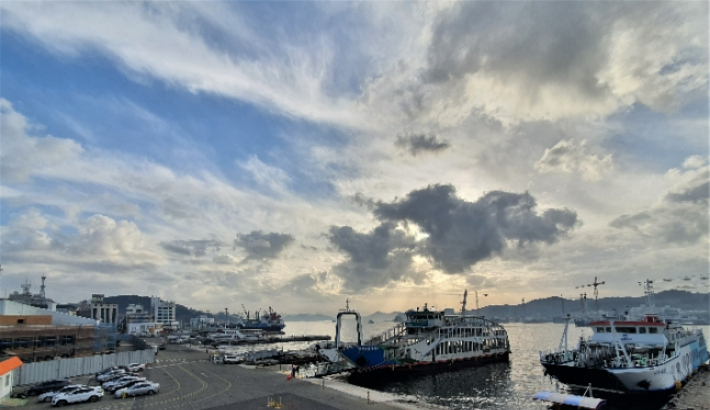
427	340
629	355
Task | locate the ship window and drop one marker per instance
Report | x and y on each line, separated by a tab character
608	329
642	330
626	329
653	330
600	330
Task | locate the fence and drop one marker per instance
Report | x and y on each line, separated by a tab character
30	373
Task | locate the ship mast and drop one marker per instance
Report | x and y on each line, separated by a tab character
463	304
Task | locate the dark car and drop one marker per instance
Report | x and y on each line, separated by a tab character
44	387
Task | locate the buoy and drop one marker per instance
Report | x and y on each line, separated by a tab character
289	377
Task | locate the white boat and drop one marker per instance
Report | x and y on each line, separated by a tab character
428	340
630	355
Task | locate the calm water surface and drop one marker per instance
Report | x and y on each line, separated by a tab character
505	386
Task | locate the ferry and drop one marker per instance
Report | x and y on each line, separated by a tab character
427	340
642	355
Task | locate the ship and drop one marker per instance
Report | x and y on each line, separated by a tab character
630	355
427	340
268	321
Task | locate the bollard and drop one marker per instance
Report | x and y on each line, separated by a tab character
323	385
368	397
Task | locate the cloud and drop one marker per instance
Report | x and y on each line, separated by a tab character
421	143
375	258
176	44
99	241
568	157
541	60
263	246
695	190
462	233
24	155
457	234
192	248
682	216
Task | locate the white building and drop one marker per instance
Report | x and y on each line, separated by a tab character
106	313
6	373
164	312
144	328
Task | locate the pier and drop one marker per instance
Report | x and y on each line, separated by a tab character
274	339
695	395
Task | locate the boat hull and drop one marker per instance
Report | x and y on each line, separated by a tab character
404	370
661	378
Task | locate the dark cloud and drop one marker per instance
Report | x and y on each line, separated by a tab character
682	218
375	258
460	233
697	191
263	246
464	233
538	42
417	144
631	221
191	248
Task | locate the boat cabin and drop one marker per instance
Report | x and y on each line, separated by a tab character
424	318
648	331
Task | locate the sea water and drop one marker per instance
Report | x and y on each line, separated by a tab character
507	386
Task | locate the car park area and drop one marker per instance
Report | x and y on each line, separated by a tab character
188	379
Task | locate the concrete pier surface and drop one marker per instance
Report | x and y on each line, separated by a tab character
695	395
190	380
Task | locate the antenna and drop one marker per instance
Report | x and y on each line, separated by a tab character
226	317
41	288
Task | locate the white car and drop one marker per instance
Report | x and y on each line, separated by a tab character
48	396
108	376
135	367
138	389
109	385
92	394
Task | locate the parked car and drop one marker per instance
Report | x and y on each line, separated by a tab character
52	385
109	385
92	394
231	359
125	384
138	389
48	396
106	370
111	374
136	367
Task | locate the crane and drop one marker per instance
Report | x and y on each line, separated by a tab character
595	284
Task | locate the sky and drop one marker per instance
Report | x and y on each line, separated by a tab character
298	154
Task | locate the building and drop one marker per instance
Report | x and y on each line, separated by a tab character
35	334
164	313
140	322
6	373
201	321
106	313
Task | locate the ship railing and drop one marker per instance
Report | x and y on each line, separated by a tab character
391	333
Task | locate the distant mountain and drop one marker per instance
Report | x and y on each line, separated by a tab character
553	306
